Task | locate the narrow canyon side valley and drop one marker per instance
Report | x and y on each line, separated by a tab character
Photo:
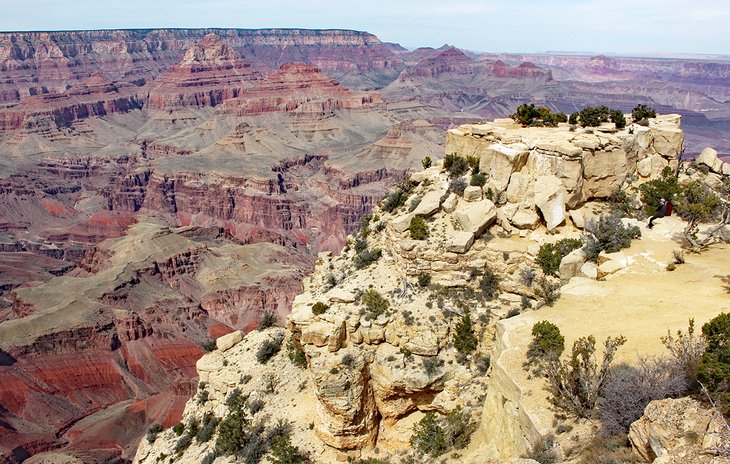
340	242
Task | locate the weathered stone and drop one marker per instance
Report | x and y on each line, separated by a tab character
401	223
666	425
461	242
519	190
525	218
324	333
558	145
589	270
609	267
450	203
603	172
550	199
227	341
643	167
476	217
499	161
429	204
726	169
473	193
346	413
571	264
340	295
424	343
407	245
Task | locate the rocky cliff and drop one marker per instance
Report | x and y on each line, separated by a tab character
121	336
380	328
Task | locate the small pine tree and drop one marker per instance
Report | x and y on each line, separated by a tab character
418	228
464	339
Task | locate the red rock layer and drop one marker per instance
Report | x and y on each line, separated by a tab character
32	63
210	73
297	88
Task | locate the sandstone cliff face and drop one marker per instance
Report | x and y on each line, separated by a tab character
553	171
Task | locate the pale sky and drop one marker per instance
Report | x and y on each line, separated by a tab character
615	26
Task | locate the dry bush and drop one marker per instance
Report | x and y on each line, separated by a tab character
628	390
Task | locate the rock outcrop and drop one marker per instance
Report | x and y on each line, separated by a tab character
553	171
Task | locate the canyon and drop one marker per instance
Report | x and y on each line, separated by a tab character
161	188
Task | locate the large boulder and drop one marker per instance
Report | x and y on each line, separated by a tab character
476	217
461	242
667	425
571	264
226	342
604	172
499	161
550	200
429	204
709	158
519	190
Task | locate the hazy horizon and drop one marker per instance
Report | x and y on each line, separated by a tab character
652	27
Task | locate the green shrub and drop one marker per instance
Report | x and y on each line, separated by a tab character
153	431
696	203
283	452
550	254
426	162
529	115
319	308
546	340
456	165
666	187
208	345
418	228
397	196
374	303
428	436
366	258
608	234
202	397
714	369
361	244
478	180
268	349
434	436
178	428
207	427
489	284
593	116
296	353
182	444
618	118
574	385
232	436
268	320
464	339
573	119
642	112
424	280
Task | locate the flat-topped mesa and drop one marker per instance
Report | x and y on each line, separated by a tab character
299	88
210	72
554	170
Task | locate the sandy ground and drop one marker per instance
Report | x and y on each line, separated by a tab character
640	302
